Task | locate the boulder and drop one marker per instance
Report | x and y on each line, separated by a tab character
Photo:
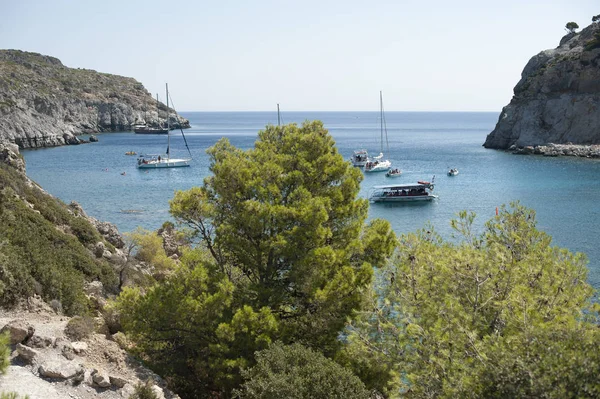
26	353
59	369
93	139
9	154
127	391
19	331
79	347
158	392
37	341
99	249
118	382
67	351
94	288
101	378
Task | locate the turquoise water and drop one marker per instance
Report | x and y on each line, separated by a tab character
563	191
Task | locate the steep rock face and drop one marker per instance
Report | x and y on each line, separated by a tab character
557	99
44	104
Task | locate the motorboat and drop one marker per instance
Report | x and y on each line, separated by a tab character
399	193
359	158
453	172
393	173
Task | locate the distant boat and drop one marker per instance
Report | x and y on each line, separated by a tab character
378	164
131	153
165	161
147	129
359	158
453	172
394	173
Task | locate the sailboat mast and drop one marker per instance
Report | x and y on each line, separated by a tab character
278	116
157	114
381	118
168	124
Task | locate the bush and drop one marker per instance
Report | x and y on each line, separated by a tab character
12	395
150	249
4	352
79	328
296	372
144	391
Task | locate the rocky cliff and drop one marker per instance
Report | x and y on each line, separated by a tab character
44	103
557	99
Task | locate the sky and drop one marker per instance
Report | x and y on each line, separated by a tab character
309	55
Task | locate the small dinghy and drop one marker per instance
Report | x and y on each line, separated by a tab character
453	172
394	173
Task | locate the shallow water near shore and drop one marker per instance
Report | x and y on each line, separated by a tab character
563	191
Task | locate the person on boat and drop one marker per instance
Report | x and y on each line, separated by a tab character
159	158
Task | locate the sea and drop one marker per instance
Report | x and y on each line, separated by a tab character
564	191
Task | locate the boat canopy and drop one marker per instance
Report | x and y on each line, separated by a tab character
402	186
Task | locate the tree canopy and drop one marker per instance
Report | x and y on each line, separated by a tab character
502	314
296	372
282	253
571	27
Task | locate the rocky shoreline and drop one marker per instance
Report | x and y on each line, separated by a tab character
557	150
556	101
45	104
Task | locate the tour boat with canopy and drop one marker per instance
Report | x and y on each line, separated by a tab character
421	191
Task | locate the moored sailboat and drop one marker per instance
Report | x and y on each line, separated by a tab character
378	163
165	161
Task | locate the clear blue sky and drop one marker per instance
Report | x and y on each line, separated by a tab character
311	55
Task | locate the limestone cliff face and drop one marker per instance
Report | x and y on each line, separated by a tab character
43	103
557	99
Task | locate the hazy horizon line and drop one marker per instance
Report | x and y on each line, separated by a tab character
313	111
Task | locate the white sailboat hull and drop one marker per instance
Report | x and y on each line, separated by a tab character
164	163
381	166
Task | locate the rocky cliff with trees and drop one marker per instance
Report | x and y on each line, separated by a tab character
557	99
44	103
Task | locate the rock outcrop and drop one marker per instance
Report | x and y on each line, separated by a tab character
44	103
557	99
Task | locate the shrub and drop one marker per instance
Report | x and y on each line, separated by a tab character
4	352
296	372
12	395
34	253
79	327
144	391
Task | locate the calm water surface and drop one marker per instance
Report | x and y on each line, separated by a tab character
564	191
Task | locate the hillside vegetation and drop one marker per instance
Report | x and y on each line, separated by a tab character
45	248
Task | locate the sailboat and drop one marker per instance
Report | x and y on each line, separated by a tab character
378	164
147	129
165	161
